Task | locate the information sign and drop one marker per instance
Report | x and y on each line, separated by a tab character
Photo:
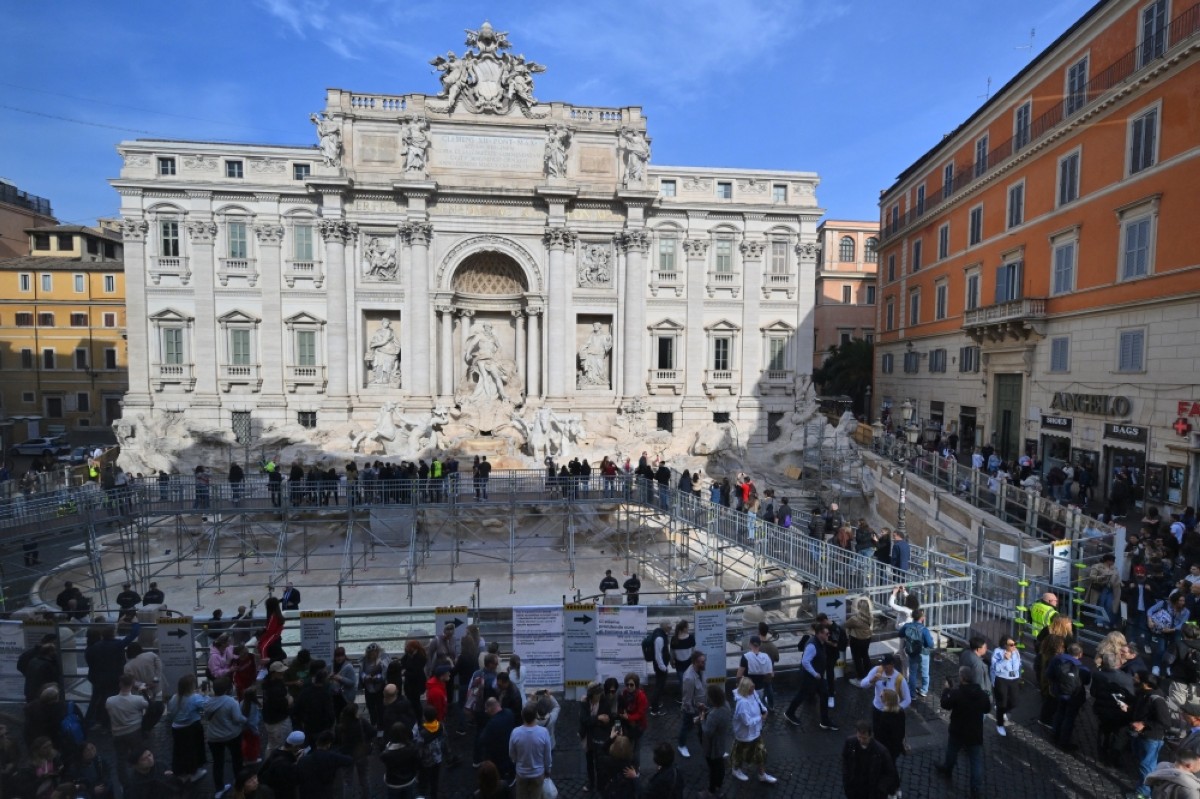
710	639
318	634
12	644
619	633
452	614
538	639
832	602
579	645
176	650
1060	563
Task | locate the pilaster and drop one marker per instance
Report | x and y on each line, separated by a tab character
635	243
133	236
806	256
274	351
417	235
751	356
557	240
208	352
696	253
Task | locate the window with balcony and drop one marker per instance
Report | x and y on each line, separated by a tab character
667	248
944	241
975	226
1143	141
306	348
664	350
1077	80
239	347
1060	354
940	294
722	353
172	346
168	239
871	250
724	256
920	199
1016	204
302	243
667	188
914	307
846	250
233	169
891	267
238	246
1008	281
1131	350
777	354
895	215
1063	256
779	258
1068	178
971	284
79	320
171	363
947	180
981	155
166	166
937	360
1154	32
1021	125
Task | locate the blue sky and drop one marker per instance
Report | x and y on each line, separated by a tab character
855	91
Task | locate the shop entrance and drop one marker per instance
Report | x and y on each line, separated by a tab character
1006	418
1133	462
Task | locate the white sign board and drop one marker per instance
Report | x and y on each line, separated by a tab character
12	644
538	640
710	639
619	634
318	634
176	650
832	602
1060	564
453	614
579	645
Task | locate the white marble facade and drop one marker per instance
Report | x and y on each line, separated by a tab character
477	254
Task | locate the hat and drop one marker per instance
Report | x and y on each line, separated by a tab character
755	640
1192	708
888	660
444	669
277	667
295	739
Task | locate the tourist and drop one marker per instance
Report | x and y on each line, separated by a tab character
516	674
900	553
597	710
918	646
1112	693
890	726
860	629
618	776
756	665
313	710
40	665
187	733
401	763
510	698
441	651
246	785
493	739
252	734
126	712
749	714
661	665
530	750
883	678
1006	680
276	708
270	645
968	704
374	666
106	663
716	724
430	738
220	659
973	657
202	481
236	481
868	771
146	781
490	784
692	705
223	722
1165	619
91	774
632	707
666	782
548	711
278	772
1068	679
812	679
344	680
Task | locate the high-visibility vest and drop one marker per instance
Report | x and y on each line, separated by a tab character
1040	615
435	470
269	466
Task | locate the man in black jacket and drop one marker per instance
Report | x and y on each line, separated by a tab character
868	771
128	598
968	705
106	662
40	666
1112	699
1152	717
154	596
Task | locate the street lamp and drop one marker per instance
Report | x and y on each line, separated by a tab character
903	450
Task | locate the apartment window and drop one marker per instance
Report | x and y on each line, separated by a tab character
1154	32
871	251
889	314
1136	247
172	346
948	180
724	255
81	359
916	255
1008	281
895	216
239	347
665	350
870	294
66	242
110	284
1063	278
667	188
944	241
25	282
844	337
79	320
24	319
891	270
666	255
166	166
1143	141
168	239
779	193
847	297
302	243
110	320
981	155
914	307
307	419
1077	78
912	363
937	360
48	358
110	251
83	401
665	421
301	171
868	336
45	319
968	359
80	284
233	169
306	348
1021	120
47	282
93	246
846	249
238	247
54	407
41	241
1131	350
887	363
724	190
722	351
940	293
27	361
975	226
1016	204
776	353
1068	178
779	257
920	199
1060	352
110	358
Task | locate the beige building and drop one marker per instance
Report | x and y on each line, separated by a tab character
20	210
847	257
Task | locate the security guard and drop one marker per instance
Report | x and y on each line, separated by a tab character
1042	612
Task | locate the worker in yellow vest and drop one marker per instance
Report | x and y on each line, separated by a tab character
1042	612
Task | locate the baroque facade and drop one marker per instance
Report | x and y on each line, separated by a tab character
1039	287
475	268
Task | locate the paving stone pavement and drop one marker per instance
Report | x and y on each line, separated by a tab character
806	760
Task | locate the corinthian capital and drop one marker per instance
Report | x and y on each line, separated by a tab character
134	229
695	248
806	249
634	241
269	234
202	232
337	230
752	248
417	232
558	238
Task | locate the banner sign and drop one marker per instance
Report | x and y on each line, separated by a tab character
710	639
318	634
619	633
538	640
579	645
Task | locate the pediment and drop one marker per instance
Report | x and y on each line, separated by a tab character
171	315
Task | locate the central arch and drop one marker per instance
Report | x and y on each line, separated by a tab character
489	274
460	253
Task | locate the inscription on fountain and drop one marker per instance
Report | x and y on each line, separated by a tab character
491	153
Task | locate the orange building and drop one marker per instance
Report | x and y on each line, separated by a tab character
845	293
1039	268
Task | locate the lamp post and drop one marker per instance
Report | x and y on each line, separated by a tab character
902	451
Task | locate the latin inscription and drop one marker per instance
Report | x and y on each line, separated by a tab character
486	153
376	149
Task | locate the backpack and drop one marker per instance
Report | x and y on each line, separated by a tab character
1186	665
71	726
785	518
914	639
474	700
430	747
648	645
1067	682
862	538
1180	727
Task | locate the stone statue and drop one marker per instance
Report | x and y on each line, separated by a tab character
404	435
518	79
557	140
381	259
329	136
416	141
484	364
549	434
487	80
383	355
594	268
593	369
456	76
637	155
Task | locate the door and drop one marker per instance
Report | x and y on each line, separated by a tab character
1006	417
112	409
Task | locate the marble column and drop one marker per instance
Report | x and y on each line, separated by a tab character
274	349
464	328
750	362
806	253
446	351
557	241
336	233
138	347
207	352
420	359
695	347
522	365
633	372
533	352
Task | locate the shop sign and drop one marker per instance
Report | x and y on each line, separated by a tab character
1056	423
1099	404
1189	408
1125	432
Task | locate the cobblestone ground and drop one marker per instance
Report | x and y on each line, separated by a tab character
806	760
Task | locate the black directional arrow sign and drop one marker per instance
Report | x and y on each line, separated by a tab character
458	622
837	603
584	619
177	633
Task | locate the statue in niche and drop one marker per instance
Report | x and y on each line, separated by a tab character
381	259
383	355
558	139
594	269
329	136
637	155
593	359
491	373
415	137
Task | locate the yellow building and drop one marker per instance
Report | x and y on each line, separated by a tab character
62	326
